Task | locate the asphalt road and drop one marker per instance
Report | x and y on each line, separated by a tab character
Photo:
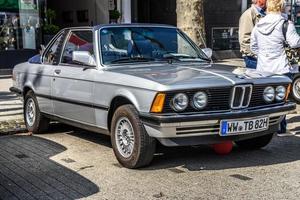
69	163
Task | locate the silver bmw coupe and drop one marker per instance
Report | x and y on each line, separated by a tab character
143	84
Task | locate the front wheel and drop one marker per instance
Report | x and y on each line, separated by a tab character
132	146
296	89
34	120
255	143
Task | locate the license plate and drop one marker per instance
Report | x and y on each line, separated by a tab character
236	127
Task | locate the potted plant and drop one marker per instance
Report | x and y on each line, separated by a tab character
114	15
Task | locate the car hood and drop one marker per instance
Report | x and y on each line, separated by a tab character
192	75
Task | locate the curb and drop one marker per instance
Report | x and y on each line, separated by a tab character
12	127
5	76
5	72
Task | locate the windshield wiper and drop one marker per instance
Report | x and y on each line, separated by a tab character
181	57
132	59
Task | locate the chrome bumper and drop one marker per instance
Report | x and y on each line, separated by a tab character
181	126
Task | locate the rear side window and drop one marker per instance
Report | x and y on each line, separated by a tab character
52	54
77	41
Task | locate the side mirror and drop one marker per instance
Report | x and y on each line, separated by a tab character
208	52
84	58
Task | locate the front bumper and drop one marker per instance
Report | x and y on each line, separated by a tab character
193	129
15	90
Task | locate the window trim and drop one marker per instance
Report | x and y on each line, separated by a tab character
51	43
65	43
181	33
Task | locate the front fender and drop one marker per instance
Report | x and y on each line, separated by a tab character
128	95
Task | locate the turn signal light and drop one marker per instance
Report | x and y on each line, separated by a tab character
158	103
288	92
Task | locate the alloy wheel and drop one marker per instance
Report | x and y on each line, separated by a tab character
30	112
296	88
124	137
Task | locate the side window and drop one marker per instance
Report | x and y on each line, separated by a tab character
51	56
77	41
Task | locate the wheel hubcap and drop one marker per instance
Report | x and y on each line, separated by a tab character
30	112
124	137
296	88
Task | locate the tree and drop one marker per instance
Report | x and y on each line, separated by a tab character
190	19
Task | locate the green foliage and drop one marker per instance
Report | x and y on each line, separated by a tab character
51	29
114	14
51	14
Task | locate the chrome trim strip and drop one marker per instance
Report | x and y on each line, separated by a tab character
184	124
72	101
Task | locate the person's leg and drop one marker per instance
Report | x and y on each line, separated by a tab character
283	126
250	62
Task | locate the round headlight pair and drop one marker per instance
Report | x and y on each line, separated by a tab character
181	101
271	94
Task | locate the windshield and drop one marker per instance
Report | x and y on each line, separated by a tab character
144	44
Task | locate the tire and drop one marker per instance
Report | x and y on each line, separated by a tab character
255	143
132	145
296	89
35	122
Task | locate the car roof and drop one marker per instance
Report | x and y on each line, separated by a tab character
133	25
120	25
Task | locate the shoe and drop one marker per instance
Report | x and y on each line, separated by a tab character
287	133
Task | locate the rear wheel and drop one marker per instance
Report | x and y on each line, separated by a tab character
34	120
132	146
255	143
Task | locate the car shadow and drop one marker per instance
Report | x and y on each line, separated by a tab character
101	139
280	150
196	158
27	171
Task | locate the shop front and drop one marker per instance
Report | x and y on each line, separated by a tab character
20	30
221	20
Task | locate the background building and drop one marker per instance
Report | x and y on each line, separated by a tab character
25	24
20	30
221	17
221	20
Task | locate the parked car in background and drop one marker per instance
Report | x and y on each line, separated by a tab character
144	83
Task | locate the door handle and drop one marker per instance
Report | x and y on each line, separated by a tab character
57	71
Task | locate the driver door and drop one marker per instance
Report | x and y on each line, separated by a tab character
73	84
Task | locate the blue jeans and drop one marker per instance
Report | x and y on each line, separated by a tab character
250	62
283	123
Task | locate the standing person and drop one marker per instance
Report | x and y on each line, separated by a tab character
247	22
268	41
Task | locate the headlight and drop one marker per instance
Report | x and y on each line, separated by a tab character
269	94
280	93
200	100
180	102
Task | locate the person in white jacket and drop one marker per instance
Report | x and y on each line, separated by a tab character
268	40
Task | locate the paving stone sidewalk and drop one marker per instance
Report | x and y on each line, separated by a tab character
11	109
